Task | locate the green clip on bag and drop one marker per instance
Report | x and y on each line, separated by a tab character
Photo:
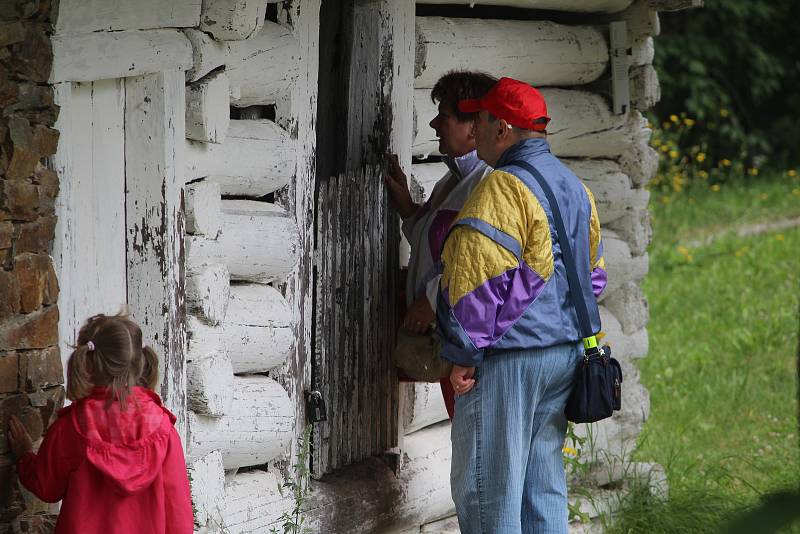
418	356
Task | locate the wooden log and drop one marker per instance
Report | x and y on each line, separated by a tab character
424	406
427	175
207	54
368	497
634	226
84	16
203	209
624	346
642	52
629	307
257	429
231	20
259	240
253	503
263	68
204	340
609	185
257	158
538	52
155	225
207	484
207	108
639	160
425	476
207	289
621	265
259	332
102	55
572	6
644	87
201	251
582	125
210	385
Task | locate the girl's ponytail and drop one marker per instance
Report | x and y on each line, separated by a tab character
79	374
149	376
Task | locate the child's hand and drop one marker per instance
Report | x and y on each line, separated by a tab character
18	438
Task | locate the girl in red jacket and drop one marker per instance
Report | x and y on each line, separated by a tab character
113	456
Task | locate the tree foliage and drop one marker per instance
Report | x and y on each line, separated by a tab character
737	60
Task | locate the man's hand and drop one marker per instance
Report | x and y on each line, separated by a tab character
397	185
18	438
462	379
419	316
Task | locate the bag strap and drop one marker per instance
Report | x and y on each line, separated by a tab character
575	290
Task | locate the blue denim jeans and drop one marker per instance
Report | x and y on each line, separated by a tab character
507	475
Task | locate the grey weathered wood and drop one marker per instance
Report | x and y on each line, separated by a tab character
155	224
572	6
356	371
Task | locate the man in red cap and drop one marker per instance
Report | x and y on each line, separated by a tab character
507	320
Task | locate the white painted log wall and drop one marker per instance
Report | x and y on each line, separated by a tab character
260	241
84	16
253	503
257	429
538	52
256	158
209	372
203	209
103	55
207	289
259	332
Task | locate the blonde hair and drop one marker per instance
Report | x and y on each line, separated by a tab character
109	351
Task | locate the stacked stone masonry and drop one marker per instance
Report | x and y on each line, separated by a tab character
31	375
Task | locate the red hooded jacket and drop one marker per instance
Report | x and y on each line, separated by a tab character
117	472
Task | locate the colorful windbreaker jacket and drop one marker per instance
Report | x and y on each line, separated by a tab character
504	286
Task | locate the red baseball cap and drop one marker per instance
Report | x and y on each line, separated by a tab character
515	102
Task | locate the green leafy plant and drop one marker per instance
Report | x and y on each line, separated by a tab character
299	487
574	466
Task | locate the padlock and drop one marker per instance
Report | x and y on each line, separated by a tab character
315	407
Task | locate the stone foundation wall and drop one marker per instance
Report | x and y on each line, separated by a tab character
31	375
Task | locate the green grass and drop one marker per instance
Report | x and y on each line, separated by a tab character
722	368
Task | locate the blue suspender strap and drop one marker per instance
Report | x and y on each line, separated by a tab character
575	291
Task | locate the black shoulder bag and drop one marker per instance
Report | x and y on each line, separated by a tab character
598	379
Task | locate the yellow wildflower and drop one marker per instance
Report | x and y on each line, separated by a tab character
796	192
791	173
688	122
780	237
666	125
715	187
664	148
665	200
570	451
724	112
725	162
683	251
689	258
673	118
764	196
703	175
739	253
701	157
752	171
673	154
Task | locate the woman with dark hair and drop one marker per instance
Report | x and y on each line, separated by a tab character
425	226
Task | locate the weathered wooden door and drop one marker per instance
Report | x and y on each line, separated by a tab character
362	110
